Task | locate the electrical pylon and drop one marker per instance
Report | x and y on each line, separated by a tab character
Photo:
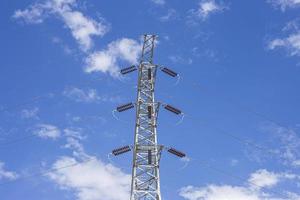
145	174
145	183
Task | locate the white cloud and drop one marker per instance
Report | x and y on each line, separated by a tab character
215	192
106	61
89	177
290	43
34	14
264	178
92	180
261	178
86	176
88	95
4	174
82	27
47	131
285	4
30	113
207	8
159	2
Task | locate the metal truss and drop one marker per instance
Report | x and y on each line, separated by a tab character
145	183
146	152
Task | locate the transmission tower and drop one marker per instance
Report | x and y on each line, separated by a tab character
145	183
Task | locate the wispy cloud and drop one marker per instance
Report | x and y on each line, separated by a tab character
206	8
5	174
47	131
288	150
80	95
171	15
234	162
67	50
74	133
88	95
107	60
290	39
291	43
285	4
34	14
83	28
180	60
74	138
251	191
159	2
30	113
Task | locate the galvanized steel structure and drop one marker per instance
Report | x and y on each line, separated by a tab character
146	151
145	183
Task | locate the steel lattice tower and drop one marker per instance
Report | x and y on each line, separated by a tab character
145	174
145	183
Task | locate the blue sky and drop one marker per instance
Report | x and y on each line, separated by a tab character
239	68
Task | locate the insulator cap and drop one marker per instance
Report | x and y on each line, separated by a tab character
176	152
125	107
128	69
173	110
121	150
169	72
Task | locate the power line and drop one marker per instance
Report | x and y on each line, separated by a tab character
224	132
246	108
30	101
34	99
149	157
20	139
239	178
205	164
47	171
2	145
235	137
38	97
